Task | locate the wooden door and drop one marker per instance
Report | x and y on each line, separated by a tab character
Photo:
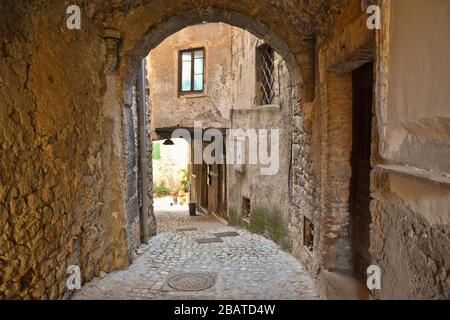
361	167
222	185
204	186
212	188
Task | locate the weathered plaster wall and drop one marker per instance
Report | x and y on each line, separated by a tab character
410	237
243	71
269	195
212	107
418	113
410	234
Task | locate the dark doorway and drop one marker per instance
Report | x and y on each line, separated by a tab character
222	188
361	167
206	178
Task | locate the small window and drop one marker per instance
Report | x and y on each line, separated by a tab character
308	235
246	207
265	75
191	73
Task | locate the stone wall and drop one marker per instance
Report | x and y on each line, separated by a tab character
303	182
61	199
132	171
409	227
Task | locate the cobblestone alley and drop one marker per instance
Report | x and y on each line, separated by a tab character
246	266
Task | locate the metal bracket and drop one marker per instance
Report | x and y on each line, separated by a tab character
112	38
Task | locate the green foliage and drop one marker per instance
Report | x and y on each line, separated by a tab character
162	189
233	218
269	223
184	182
257	223
275	229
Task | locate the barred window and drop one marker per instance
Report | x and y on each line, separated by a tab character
265	75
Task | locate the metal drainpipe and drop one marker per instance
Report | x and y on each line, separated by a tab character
143	169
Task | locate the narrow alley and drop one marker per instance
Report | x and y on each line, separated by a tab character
224	149
219	262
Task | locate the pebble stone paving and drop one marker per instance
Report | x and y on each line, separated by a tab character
245	267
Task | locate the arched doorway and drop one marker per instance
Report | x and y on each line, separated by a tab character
140	48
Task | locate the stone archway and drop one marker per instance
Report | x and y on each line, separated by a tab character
65	120
300	60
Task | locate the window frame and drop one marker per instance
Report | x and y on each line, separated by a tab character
180	71
265	90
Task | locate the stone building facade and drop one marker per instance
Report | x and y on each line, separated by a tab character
170	109
260	201
62	133
229	101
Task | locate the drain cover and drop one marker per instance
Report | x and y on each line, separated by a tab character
226	234
187	229
208	240
191	281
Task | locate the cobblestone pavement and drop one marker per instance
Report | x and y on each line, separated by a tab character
246	266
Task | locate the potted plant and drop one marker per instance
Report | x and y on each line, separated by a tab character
161	190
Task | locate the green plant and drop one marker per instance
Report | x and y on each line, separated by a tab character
257	223
233	218
184	182
162	189
268	222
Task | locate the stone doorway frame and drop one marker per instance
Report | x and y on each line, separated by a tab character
340	57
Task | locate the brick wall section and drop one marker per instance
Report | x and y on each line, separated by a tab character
334	223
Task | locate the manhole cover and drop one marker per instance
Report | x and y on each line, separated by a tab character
191	282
